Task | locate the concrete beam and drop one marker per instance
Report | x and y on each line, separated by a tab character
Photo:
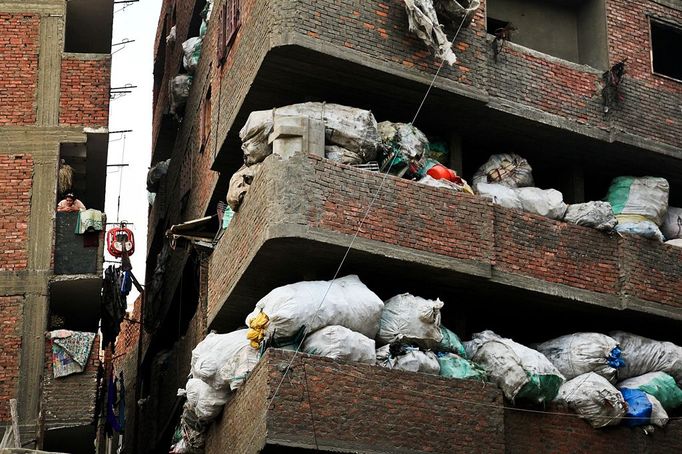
33	6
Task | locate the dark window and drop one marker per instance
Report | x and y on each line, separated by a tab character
666	50
197	18
230	21
205	120
495	24
88	26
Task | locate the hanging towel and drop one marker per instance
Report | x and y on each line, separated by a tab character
70	351
89	220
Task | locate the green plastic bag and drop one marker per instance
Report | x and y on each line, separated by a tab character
453	366
540	388
660	385
451	343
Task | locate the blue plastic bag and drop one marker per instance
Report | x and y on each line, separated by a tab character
639	407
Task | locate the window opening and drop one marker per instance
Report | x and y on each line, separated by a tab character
666	49
205	120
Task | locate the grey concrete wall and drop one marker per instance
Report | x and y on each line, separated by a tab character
592	48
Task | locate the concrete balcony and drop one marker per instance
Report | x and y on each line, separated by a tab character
489	264
348	407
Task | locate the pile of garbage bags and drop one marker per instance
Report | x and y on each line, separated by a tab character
606	379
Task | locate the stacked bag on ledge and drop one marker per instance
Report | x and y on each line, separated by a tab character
607	380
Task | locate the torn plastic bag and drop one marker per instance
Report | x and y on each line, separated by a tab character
340	343
410	319
638	407
155	175
450	343
205	401
593	398
410	359
240	184
193	432
454	366
579	353
521	372
403	144
598	215
423	22
545	202
223	360
672	224
499	195
179	91
340	154
639	196
643	355
315	304
191	53
348	127
507	169
660	385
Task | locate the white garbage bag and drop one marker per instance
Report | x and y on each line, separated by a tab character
204	400
643	355
340	343
191	50
340	154
223	360
316	304
179	88
672	224
659	417
658	384
545	202
521	372
499	195
409	359
598	215
579	353
594	398
639	196
411	319
643	228
240	184
348	127
507	169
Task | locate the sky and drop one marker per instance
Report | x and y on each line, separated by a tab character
132	64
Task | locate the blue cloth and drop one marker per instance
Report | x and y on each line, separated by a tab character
614	359
126	283
639	407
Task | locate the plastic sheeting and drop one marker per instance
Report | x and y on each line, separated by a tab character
658	384
507	169
224	360
340	343
315	304
645	355
409	359
423	22
598	215
521	372
347	127
594	398
579	353
240	184
411	319
454	366
451	343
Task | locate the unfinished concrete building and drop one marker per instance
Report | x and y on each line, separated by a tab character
54	109
538	93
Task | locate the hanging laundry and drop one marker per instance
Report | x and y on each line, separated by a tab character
89	221
70	351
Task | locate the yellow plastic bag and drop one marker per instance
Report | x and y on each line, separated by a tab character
256	332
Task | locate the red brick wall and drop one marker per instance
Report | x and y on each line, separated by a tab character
127	339
19	43
11	308
85	92
16	174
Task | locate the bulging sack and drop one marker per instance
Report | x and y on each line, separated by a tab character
521	372
643	355
508	169
223	360
191	53
340	343
240	184
205	401
598	215
499	195
410	319
594	398
579	353
639	196
672	224
545	202
658	384
348	302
